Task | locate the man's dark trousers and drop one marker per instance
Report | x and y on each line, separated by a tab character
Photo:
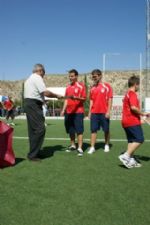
36	125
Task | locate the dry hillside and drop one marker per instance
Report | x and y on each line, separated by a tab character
118	80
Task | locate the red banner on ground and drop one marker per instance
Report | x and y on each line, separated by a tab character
7	156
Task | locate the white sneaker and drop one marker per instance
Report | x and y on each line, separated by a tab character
135	163
91	150
71	148
106	148
126	161
12	124
80	152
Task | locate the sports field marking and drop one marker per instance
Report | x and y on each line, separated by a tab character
67	139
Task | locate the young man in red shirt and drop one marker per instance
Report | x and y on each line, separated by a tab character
131	123
73	110
101	95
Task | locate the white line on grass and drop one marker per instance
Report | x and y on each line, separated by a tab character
67	139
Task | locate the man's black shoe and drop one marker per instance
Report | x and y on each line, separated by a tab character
34	159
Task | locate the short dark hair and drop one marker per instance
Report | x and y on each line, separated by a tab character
97	71
73	71
133	80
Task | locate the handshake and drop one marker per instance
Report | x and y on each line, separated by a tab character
146	118
67	97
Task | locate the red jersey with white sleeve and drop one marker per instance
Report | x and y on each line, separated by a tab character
8	105
77	90
100	95
129	118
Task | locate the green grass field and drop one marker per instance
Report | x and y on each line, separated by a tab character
65	189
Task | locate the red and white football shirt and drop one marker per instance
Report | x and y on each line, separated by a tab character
78	90
8	105
129	118
100	94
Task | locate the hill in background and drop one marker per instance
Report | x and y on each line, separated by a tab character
118	80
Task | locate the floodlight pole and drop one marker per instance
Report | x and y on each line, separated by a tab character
104	63
147	78
141	91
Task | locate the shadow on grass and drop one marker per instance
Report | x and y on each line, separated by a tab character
19	160
98	146
50	124
16	125
124	167
101	145
142	158
85	146
49	151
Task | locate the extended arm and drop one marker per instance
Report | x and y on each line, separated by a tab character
50	94
78	98
138	111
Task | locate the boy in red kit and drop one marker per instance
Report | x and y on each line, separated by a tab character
73	110
9	107
101	95
131	123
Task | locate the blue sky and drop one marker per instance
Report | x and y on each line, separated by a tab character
65	34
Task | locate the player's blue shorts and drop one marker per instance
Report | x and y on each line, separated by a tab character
134	134
74	123
98	121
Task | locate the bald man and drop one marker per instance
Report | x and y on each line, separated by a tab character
34	93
